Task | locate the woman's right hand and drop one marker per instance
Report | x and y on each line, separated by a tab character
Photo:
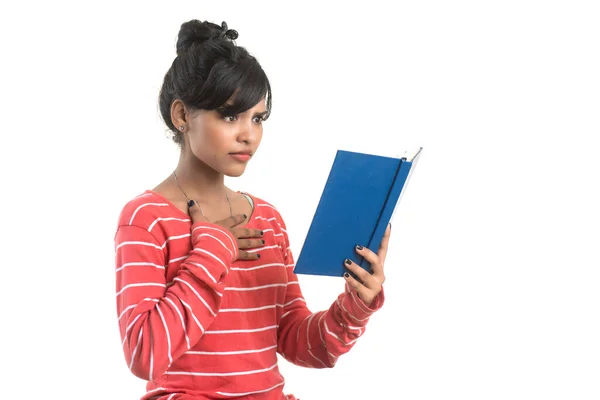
246	238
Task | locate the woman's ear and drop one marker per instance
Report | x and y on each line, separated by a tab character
179	115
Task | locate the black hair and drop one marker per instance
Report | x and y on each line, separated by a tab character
208	70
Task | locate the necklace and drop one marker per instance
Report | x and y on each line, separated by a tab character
201	212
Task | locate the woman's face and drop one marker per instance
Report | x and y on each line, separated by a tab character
225	143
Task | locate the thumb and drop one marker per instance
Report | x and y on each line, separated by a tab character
195	212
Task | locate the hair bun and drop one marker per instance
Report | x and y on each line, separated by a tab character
197	32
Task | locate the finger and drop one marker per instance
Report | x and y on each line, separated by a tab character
383	247
364	277
250	243
247	233
232	221
373	259
354	284
195	212
246	255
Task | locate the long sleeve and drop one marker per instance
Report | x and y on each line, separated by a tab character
160	320
317	340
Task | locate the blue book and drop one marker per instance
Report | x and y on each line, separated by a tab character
360	197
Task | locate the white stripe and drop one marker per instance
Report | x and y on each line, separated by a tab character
217	239
305	363
197	295
262	248
178	259
258	267
298	332
142	195
267	219
175	238
155	390
250	309
245	289
187	271
151	358
193	316
162	318
318	359
205	270
125	310
267	205
228	353
218	230
285	314
292	301
319	326
187	339
140	243
135	305
223	332
272	219
171	396
136	347
166	219
144	205
139	264
240	373
125	336
139	285
361	306
341	305
336	336
308	341
213	256
247	393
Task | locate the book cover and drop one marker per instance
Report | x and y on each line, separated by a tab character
360	196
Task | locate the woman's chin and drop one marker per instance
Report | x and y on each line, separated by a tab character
234	172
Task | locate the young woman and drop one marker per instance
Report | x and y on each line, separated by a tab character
206	291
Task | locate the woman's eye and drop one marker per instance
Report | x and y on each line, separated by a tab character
230	118
259	120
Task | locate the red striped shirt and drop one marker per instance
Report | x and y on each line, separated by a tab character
197	325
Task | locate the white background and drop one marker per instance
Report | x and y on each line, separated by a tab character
493	270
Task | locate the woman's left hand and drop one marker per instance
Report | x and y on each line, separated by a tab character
369	284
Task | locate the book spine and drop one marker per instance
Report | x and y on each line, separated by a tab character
388	208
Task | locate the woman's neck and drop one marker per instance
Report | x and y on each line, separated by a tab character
199	181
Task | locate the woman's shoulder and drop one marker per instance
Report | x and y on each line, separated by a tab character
265	209
144	209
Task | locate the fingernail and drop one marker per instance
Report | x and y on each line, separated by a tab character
258	255
346	275
245	216
348	262
262	232
190	203
263	242
390	225
359	247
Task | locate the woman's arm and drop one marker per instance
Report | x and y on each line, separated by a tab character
159	323
317	340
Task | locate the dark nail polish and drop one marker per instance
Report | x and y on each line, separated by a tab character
346	275
359	247
190	203
258	255
263	242
245	216
348	262
262	232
